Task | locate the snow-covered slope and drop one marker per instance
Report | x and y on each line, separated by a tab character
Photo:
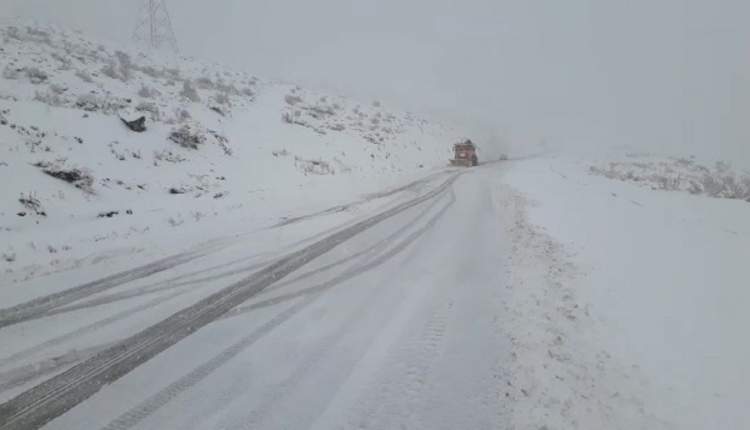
660	247
80	187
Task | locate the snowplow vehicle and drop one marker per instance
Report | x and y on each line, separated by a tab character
465	154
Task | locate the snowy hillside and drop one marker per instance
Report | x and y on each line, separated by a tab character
79	186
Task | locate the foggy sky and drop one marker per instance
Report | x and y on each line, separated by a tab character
654	74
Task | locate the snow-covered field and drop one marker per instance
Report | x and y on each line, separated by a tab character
220	148
663	275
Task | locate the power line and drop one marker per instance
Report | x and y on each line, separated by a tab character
154	26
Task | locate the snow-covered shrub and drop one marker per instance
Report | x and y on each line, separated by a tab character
79	178
50	98
94	103
313	167
65	63
57	89
321	112
11	73
147	92
38	36
183	115
168	156
681	175
9	256
222	99
151	108
84	76
121	70
36	76
32	203
13	32
110	70
175	222
292	99
28	34
248	92
222	141
151	72
187	137
126	65
89	102
189	92
205	83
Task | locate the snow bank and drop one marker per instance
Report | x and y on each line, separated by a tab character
662	281
222	150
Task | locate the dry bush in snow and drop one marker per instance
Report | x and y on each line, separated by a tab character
32	203
189	92
681	174
151	108
313	167
84	76
36	76
187	137
147	92
79	178
50	98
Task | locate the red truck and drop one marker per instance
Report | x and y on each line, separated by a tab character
465	154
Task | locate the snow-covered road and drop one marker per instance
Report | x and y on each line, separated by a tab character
389	319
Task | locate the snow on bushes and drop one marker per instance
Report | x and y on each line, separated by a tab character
79	178
187	137
681	174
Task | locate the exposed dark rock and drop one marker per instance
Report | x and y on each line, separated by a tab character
138	125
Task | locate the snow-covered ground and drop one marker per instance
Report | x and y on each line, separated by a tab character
221	148
264	257
663	275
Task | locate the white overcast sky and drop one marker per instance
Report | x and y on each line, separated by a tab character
650	73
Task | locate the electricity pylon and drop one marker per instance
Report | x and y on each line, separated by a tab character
154	27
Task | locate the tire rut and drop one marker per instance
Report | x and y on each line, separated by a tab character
137	414
349	273
367	198
90	328
39	405
38	307
23	355
25	374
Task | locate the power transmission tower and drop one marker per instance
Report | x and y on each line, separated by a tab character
154	27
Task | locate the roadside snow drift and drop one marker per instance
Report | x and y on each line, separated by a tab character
660	247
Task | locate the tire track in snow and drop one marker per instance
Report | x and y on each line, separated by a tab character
391	402
96	325
25	374
166	284
155	402
151	289
379	245
39	405
149	406
357	270
35	308
22	355
367	198
43	368
259	414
